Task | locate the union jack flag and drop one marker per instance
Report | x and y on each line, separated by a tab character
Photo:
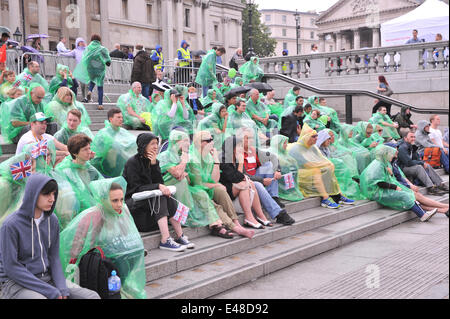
289	181
21	170
17	84
182	214
28	77
39	149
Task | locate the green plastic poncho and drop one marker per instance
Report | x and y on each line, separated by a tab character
59	110
237	83
113	147
80	177
289	99
316	124
345	166
139	104
163	123
388	132
259	109
361	154
209	100
92	67
328	111
215	125
115	233
64	134
56	81
206	75
4	88
380	170
237	121
197	198
20	109
251	71
11	191
361	137
316	173
276	109
288	165
26	79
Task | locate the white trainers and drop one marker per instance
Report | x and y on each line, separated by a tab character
428	215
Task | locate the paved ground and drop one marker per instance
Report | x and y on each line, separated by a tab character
408	261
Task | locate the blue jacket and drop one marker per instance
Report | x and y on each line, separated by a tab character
28	251
154	56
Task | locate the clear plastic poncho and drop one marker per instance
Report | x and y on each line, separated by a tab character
261	110
59	110
64	134
238	121
328	111
380	170
163	124
289	99
288	164
196	197
139	104
4	88
361	137
80	177
209	100
251	71
56	81
113	148
388	132
361	154
116	234
316	173
26	79
92	67
206	75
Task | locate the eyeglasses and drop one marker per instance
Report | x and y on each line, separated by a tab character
209	141
315	136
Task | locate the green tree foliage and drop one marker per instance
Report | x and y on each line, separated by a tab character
263	44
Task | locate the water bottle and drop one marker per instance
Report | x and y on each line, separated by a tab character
114	283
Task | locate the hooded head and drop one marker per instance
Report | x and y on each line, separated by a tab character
184	44
143	140
323	136
101	192
277	144
77	44
385	154
158	48
421	125
285	52
307	133
33	189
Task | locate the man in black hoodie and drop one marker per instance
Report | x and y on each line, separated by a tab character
143	71
30	267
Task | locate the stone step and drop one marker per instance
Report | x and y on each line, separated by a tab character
214	277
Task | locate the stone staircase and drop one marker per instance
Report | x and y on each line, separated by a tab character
217	265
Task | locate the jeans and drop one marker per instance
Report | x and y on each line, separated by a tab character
100	92
146	90
266	171
267	201
205	90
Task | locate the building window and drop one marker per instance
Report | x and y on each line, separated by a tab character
216	32
125	9
300	48
268	18
331	48
285	46
312	35
284	19
283	32
149	13
96	7
313	21
187	18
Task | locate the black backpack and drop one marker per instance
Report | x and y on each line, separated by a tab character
95	269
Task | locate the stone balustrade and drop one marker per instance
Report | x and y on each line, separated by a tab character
403	58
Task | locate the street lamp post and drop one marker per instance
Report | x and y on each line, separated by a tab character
250	30
22	6
297	27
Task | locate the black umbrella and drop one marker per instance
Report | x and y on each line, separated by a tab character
239	90
198	53
260	86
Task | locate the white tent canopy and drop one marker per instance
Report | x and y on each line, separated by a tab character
429	19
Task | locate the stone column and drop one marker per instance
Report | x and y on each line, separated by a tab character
43	22
338	41
199	23
167	29
208	26
322	42
104	24
226	45
180	22
376	37
83	22
15	17
356	39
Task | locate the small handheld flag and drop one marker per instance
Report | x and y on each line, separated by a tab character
289	181
21	170
39	149
181	214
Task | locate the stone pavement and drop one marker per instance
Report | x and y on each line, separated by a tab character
410	260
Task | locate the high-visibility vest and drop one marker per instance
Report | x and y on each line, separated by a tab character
186	54
159	66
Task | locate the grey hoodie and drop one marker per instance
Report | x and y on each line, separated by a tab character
28	251
423	139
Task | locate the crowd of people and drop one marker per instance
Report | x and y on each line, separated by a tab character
227	152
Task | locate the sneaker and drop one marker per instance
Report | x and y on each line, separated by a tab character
278	201
346	201
435	191
171	245
443	188
284	219
428	215
184	241
329	203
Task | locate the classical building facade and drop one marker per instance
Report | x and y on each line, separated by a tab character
355	24
283	27
203	23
